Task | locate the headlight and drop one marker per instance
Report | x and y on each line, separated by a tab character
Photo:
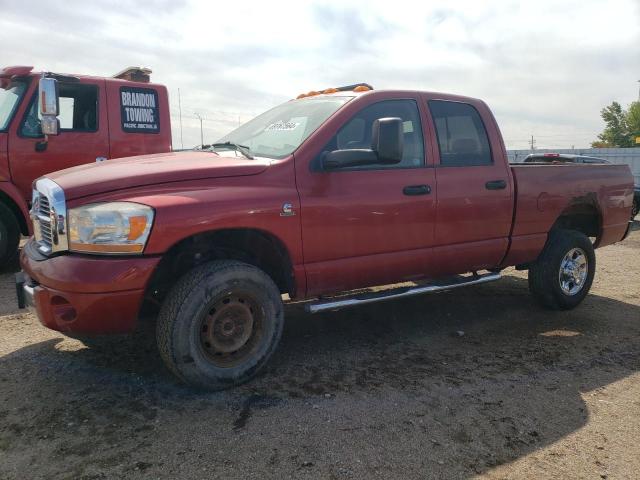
110	228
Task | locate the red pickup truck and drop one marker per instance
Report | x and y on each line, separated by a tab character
94	119
331	192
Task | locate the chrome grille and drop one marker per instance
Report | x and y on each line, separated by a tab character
43	214
48	213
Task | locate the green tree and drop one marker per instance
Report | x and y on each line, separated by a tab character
633	121
621	126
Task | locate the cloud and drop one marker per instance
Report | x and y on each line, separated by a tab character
546	67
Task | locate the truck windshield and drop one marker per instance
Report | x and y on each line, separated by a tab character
10	96
279	131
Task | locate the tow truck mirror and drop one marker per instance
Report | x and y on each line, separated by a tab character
49	105
387	141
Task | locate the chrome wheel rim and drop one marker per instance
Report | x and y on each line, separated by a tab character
574	268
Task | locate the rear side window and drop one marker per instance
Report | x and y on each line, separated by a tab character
462	138
78	111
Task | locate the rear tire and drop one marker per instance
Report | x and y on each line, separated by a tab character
634	209
563	273
220	324
9	236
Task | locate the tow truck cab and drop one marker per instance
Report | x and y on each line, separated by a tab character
51	121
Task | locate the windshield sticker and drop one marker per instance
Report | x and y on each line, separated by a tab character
281	126
139	110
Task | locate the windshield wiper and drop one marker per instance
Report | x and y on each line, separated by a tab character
243	149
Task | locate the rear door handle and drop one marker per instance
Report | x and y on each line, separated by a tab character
416	190
496	185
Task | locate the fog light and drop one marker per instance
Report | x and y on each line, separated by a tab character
62	309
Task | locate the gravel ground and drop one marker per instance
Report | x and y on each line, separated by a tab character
473	383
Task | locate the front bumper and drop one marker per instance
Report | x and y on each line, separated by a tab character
84	294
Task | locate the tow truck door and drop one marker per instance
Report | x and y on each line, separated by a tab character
83	136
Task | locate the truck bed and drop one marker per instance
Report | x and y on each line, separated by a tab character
543	193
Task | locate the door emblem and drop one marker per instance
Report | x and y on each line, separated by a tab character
287	210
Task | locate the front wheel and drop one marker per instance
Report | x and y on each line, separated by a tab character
220	324
561	277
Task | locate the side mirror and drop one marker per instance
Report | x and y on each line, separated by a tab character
349	158
49	105
49	125
387	142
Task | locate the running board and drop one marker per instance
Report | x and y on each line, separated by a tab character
392	294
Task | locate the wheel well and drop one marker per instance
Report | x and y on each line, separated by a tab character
583	217
251	246
15	209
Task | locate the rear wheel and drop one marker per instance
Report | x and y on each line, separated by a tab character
9	236
220	324
634	208
562	275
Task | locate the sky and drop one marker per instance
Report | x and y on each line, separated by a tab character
546	68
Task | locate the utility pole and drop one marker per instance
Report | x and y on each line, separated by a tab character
180	110
532	142
639	91
201	131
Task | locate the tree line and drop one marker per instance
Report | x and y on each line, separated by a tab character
622	127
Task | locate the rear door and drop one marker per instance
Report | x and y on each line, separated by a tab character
475	198
83	136
368	225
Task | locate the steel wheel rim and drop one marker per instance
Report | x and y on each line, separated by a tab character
574	269
230	329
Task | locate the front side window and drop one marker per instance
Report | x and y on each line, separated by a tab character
281	130
78	111
462	138
357	132
11	93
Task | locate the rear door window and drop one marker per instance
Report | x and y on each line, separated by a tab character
462	137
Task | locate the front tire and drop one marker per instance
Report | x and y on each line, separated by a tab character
9	236
220	324
563	273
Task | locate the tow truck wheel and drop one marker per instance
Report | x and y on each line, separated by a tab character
9	236
220	324
562	275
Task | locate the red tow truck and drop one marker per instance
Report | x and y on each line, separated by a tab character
90	119
328	193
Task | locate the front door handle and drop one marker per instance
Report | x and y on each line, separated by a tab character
496	185
416	190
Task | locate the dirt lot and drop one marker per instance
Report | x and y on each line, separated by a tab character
385	391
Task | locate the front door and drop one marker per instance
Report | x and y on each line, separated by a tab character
372	225
83	136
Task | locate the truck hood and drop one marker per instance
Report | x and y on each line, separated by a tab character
140	171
